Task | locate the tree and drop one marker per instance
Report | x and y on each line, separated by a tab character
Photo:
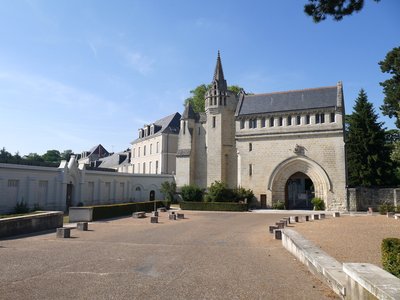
197	100
367	157
52	156
320	9
168	189
219	192
4	154
66	155
33	157
192	193
391	87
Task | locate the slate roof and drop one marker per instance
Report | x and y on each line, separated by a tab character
287	101
115	160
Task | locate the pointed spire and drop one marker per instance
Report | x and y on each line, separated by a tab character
189	112
219	74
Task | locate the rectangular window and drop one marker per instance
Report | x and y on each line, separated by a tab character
133	168
271	122
144	150
91	191
138	168
214	121
250	123
199	131
157	149
133	152
289	120
263	122
298	120
108	191
280	121
13	183
184	127
255	123
150	167
241	124
319	118
250	169
307	119
332	117
250	147
322	118
151	148
138	152
144	168
156	166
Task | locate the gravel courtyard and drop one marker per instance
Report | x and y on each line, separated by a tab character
205	256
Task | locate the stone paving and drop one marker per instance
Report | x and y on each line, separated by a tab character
204	256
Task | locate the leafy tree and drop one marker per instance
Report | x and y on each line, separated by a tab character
52	156
391	87
320	9
33	157
192	193
197	100
219	192
66	155
243	194
367	156
392	136
168	189
4	154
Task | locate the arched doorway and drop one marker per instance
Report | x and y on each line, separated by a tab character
152	196
299	191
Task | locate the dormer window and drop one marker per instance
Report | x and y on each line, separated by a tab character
289	120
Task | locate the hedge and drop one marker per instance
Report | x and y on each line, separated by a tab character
123	209
214	206
391	256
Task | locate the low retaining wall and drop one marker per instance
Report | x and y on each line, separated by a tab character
361	198
349	280
30	223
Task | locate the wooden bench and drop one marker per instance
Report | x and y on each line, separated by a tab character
139	214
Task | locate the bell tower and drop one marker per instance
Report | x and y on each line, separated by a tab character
220	106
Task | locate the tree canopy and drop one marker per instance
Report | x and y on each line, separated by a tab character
197	100
320	9
391	87
367	157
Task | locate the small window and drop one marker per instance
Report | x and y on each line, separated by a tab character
271	122
138	152
254	123
298	120
319	118
322	118
214	121
280	121
151	148
144	168
250	169
184	127
289	120
307	119
250	147
138	168
150	167
156	166
332	117
199	131
263	122
241	124
250	123
13	183
144	150
157	148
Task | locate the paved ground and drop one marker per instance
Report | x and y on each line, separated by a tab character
206	256
349	238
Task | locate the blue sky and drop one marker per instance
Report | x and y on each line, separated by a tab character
74	74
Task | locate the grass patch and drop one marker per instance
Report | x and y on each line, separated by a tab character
20	215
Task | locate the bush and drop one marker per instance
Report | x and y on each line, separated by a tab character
385	208
241	194
124	209
278	205
21	208
214	206
37	207
391	256
318	203
192	193
219	192
168	189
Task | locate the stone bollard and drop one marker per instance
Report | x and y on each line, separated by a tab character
314	217
180	216
277	234
153	219
296	219
322	216
307	218
390	214
272	228
280	225
289	221
155	214
292	220
336	214
284	221
63	232
172	216
370	211
83	226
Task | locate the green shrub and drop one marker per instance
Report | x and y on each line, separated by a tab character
214	206
123	209
168	189
391	256
36	207
385	208
278	205
21	207
318	203
241	194
219	192
192	193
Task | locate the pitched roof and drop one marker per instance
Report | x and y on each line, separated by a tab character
288	101
115	160
189	112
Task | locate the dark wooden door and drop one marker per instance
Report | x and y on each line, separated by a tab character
69	195
263	200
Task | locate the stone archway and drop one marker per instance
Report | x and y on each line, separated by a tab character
279	178
299	191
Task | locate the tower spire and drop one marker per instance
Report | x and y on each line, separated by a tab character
219	75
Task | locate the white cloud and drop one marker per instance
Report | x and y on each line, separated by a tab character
140	62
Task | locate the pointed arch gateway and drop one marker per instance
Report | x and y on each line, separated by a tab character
298	167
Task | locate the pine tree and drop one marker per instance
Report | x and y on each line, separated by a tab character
367	157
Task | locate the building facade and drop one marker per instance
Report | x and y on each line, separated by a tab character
286	146
154	151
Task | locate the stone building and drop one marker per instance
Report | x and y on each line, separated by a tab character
154	151
285	146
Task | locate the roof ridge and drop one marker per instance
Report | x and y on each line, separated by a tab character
291	91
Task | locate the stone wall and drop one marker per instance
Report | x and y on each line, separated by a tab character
361	198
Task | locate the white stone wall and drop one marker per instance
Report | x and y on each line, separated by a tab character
47	187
